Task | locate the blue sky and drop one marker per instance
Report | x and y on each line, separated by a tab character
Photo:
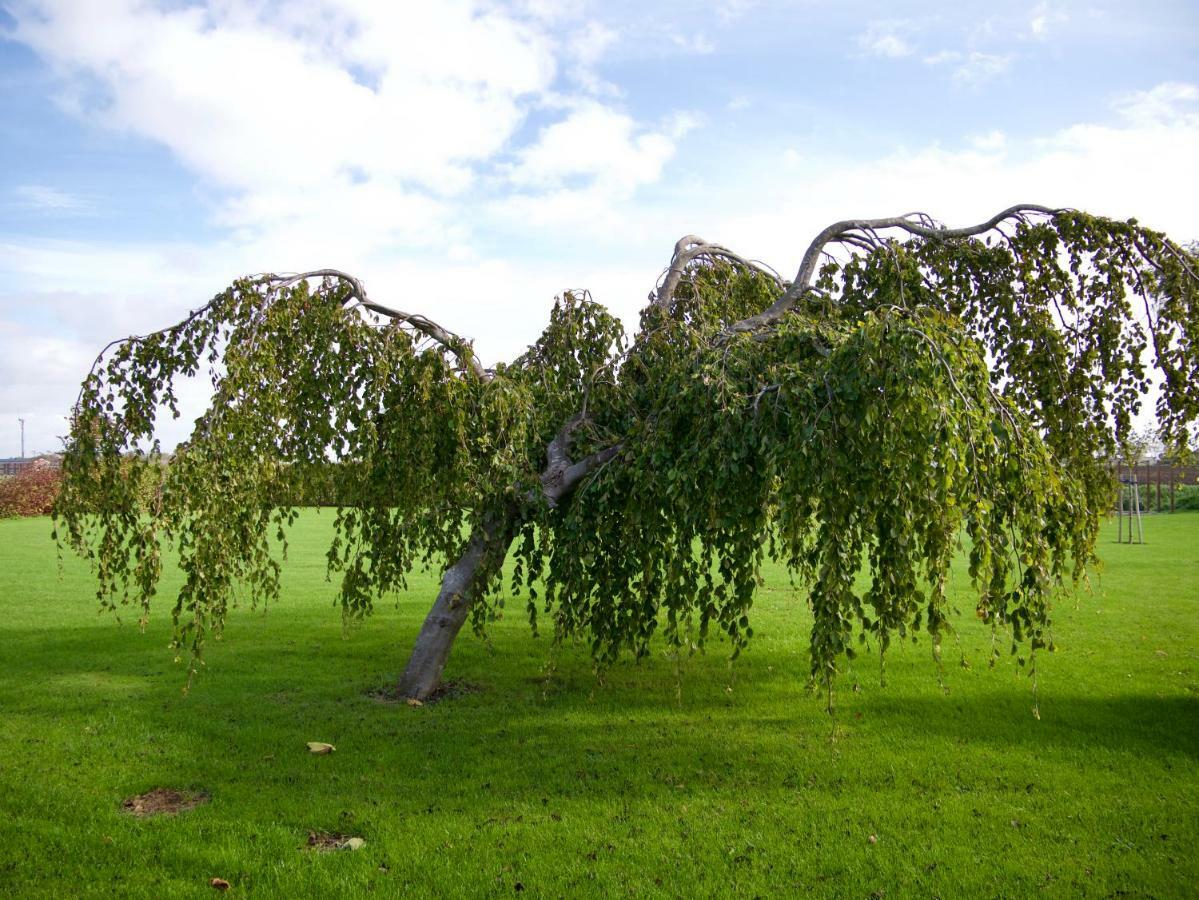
470	160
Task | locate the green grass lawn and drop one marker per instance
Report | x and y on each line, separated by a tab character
726	781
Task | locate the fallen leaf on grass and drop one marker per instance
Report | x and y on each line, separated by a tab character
412	701
220	884
320	748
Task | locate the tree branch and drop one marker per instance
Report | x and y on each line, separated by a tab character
562	475
562	482
857	231
691	248
455	344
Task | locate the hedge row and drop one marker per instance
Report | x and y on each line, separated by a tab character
30	492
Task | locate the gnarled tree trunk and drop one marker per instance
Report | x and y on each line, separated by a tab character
484	554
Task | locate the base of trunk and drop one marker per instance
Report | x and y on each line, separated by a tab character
484	554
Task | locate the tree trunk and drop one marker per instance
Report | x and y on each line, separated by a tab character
484	554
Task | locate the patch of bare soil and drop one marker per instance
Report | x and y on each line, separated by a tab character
163	801
447	690
328	841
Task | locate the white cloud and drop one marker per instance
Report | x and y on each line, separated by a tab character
44	198
343	128
552	10
992	142
414	96
973	68
731	10
1126	168
887	39
587	47
38	382
698	44
1171	101
601	145
583	173
359	115
1044	19
340	218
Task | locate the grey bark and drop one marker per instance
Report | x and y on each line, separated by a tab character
864	233
455	344
484	554
690	248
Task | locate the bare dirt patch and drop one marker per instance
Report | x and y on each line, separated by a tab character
163	801
447	690
328	841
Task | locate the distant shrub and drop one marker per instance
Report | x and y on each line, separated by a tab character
31	492
1186	497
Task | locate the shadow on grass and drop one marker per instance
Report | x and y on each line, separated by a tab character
322	688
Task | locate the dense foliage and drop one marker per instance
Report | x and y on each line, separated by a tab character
31	492
1187	498
912	397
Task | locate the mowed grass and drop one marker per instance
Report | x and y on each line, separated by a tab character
710	782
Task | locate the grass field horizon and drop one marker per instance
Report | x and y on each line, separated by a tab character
712	780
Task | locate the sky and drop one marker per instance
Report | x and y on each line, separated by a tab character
471	160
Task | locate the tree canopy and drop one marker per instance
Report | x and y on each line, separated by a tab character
912	391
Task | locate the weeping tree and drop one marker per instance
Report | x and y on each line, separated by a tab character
913	391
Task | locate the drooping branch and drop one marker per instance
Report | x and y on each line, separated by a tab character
458	346
690	249
863	233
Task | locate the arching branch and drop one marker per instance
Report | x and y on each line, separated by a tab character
859	232
690	249
459	346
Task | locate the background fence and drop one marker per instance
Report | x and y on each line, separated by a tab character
1158	484
10	467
